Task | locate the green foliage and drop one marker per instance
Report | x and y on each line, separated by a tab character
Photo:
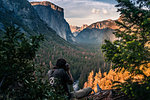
81	59
136	90
42	90
130	50
19	77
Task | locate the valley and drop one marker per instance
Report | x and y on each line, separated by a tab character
82	51
50	48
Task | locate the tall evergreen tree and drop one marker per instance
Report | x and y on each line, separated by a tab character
20	77
91	79
131	50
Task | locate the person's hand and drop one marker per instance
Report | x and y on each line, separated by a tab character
67	67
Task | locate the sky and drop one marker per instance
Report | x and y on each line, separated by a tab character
79	12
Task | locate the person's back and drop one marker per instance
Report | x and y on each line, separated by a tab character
62	77
62	73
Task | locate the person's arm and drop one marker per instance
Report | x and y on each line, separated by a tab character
71	78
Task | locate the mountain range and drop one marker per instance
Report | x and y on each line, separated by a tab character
48	18
95	33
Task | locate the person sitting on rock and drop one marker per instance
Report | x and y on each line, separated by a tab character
61	72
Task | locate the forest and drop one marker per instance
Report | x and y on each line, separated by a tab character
81	60
25	60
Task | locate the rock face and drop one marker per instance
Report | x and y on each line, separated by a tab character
75	29
109	95
104	24
54	18
46	3
22	14
97	32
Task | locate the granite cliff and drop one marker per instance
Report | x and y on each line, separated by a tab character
104	24
46	3
54	18
21	13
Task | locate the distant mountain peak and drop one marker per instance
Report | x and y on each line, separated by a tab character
76	29
104	24
47	3
97	32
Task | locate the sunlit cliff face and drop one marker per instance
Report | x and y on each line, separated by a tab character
78	29
53	15
46	3
104	24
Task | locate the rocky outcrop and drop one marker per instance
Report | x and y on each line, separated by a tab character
54	18
104	24
46	3
97	32
83	27
108	95
75	29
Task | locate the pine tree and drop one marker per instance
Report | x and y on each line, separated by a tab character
99	74
96	80
91	79
131	50
20	77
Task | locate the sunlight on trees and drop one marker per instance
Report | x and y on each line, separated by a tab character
131	50
106	80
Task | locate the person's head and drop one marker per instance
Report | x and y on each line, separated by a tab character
61	63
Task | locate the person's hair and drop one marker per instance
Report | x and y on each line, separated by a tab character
61	63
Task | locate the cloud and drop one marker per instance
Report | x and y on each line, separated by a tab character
104	11
107	1
95	11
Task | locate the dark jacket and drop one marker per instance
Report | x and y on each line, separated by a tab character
62	75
